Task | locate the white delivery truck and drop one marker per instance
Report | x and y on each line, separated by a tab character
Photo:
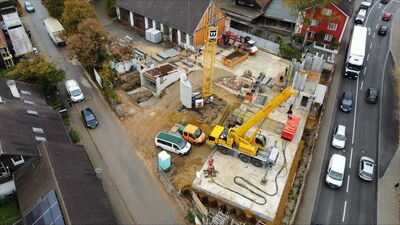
356	52
55	29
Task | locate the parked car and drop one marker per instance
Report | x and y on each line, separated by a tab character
382	30
29	7
339	137
346	103
366	168
384	1
172	143
372	95
387	16
335	173
74	91
89	118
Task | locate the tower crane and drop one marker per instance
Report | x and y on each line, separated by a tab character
210	52
234	141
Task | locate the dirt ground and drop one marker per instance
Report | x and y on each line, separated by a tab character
143	123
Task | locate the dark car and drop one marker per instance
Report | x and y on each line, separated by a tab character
89	118
372	95
383	30
346	102
29	7
385	1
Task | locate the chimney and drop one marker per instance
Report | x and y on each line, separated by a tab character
13	88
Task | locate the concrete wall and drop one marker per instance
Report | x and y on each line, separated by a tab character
160	83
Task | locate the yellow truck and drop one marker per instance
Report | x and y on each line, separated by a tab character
190	133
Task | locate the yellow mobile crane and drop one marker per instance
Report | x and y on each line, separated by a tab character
234	141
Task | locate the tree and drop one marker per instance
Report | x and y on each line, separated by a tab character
76	11
37	70
301	6
55	7
89	43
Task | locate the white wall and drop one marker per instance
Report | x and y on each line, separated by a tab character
161	82
118	12
131	18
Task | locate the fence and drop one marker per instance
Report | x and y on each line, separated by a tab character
262	43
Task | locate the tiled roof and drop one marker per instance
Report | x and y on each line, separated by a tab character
66	169
16	134
183	15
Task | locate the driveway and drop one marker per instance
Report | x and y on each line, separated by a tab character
135	193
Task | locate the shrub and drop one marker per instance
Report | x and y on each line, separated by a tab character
190	217
288	51
74	136
111	8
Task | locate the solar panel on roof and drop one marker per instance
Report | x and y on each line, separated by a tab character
46	212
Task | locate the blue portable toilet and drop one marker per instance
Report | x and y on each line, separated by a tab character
164	160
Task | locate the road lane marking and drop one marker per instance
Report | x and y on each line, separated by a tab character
344	211
368	57
355	114
369	31
370	46
362	83
377	26
348	182
366	20
351	157
373	36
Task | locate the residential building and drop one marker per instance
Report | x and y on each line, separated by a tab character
6	57
181	21
327	24
54	179
267	19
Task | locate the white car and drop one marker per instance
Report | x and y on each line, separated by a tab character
339	137
366	168
74	91
335	173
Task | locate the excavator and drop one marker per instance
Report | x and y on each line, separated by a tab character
234	141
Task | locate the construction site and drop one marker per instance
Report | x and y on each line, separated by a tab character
252	107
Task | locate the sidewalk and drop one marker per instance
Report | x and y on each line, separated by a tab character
388	198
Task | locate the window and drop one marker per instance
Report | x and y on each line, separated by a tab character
314	23
326	12
39	138
37	130
191	40
29	102
311	34
328	37
158	25
32	112
332	26
25	92
9	63
4	52
17	160
150	23
183	37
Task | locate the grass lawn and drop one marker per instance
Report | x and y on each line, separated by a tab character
9	213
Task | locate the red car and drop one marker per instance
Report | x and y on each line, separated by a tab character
387	16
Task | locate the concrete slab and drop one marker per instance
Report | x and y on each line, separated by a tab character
229	168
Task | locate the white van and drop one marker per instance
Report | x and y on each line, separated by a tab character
335	172
360	16
172	143
74	91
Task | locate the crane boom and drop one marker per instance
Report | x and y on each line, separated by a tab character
210	52
264	112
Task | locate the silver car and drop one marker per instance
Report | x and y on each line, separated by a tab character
366	168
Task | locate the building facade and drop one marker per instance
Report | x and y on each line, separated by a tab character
186	27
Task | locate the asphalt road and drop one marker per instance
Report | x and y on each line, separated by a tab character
135	193
368	126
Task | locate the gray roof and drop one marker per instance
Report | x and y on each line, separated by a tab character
20	41
277	10
183	15
65	168
11	20
16	134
